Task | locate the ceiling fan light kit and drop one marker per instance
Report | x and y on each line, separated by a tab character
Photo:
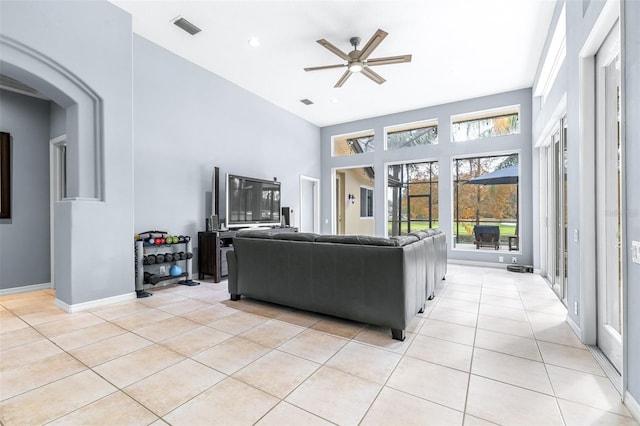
357	60
355	66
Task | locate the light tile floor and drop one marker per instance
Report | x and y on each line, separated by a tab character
493	347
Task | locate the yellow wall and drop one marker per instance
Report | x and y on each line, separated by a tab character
354	179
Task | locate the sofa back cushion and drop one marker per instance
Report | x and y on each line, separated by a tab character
363	240
296	236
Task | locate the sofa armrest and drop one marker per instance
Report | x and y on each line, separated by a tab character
232	264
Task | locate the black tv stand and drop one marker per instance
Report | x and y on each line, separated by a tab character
213	247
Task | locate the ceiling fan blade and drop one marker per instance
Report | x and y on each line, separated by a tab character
372	75
373	42
344	78
389	60
334	49
325	67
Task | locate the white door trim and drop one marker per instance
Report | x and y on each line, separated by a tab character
316	200
55	186
585	232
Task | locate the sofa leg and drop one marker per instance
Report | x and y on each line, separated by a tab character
431	296
235	296
397	334
421	309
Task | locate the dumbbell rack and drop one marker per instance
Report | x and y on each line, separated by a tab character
141	246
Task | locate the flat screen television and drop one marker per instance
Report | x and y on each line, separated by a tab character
252	202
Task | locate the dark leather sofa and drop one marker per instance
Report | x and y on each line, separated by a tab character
381	281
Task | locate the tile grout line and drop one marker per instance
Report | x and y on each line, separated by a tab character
544	363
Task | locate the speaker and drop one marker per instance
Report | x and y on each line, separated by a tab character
215	193
286	216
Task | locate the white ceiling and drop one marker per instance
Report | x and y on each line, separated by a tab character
461	49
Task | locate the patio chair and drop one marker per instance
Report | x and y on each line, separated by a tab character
486	236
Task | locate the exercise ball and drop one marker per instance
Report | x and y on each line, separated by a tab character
175	271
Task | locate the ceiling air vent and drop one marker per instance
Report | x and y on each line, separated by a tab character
187	26
306	101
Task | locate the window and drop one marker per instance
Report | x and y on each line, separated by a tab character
486	195
415	134
366	202
412	197
355	143
485	124
554	58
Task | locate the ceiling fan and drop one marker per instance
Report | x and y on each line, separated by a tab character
357	60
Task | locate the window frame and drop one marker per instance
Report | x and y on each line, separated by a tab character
415	125
505	153
364	202
335	139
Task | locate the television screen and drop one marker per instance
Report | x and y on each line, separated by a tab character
252	202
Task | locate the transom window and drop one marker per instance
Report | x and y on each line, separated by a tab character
355	143
485	124
414	134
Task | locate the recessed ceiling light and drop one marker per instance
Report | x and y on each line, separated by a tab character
335	100
254	42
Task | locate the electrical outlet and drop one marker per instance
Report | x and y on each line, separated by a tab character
514	260
635	251
500	259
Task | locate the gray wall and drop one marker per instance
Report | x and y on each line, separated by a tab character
61	48
188	120
24	239
581	19
443	152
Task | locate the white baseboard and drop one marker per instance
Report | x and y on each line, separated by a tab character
77	307
632	405
25	289
477	263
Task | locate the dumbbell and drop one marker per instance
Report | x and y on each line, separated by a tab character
189	255
180	255
159	258
151	278
151	259
181	239
168	257
145	260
